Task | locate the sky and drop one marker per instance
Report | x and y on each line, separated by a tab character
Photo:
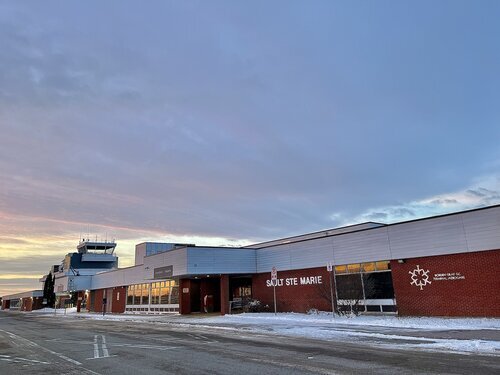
229	123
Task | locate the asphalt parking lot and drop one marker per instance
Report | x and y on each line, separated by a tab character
31	344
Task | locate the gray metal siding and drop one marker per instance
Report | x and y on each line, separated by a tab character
176	258
362	247
204	260
443	235
348	248
278	257
321	251
482	229
459	233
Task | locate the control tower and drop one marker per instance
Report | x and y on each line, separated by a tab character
77	268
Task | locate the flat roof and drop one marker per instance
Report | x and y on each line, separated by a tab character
27	294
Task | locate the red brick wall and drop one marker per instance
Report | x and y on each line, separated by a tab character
224	294
297	298
119	300
26	304
37	303
98	294
184	298
475	291
5	304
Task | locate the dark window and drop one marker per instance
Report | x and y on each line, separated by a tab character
378	285
373	308
349	286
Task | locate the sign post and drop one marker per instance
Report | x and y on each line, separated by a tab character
274	280
329	268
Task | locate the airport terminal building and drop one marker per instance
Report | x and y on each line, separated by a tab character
444	265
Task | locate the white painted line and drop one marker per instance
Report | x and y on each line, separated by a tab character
34	344
21	360
96	347
105	352
32	360
64	357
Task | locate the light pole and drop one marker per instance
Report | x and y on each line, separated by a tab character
329	268
274	281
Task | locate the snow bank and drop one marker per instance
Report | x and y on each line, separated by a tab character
364	320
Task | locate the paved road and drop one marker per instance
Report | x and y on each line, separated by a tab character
32	344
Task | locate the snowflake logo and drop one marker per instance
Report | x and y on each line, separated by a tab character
419	277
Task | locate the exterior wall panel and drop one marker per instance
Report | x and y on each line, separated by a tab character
298	298
119	299
455	285
362	247
458	233
444	235
121	277
311	255
482	229
278	256
140	253
221	261
176	258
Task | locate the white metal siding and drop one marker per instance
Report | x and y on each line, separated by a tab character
482	229
443	235
140	253
311	255
348	248
360	247
459	233
121	277
277	256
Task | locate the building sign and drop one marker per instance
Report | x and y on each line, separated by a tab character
163	272
421	278
448	276
295	281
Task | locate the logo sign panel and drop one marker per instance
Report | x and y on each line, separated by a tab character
421	278
329	267
163	272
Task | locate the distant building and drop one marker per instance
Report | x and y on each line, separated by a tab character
25	301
